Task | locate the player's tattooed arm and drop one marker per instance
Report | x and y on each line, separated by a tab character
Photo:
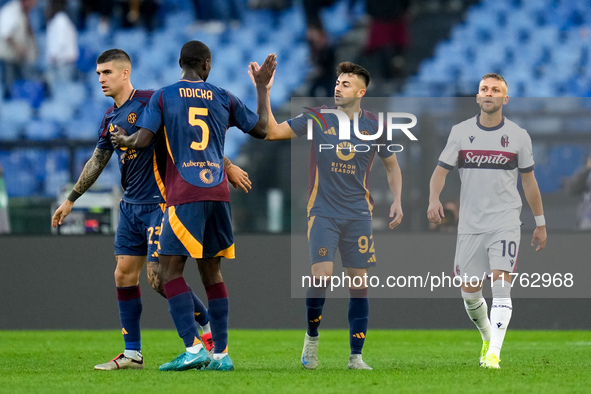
93	168
90	173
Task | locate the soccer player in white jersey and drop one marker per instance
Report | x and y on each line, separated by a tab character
489	150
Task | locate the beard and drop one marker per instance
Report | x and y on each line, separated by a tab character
491	108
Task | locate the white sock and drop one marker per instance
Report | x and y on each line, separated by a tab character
133	354
219	356
195	349
206	329
500	315
478	312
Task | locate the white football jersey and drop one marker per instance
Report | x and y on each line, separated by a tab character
488	159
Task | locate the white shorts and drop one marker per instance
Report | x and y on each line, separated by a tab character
478	254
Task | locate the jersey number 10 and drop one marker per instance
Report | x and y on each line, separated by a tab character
194	112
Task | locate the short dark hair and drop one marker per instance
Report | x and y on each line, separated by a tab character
194	54
496	76
111	55
352	68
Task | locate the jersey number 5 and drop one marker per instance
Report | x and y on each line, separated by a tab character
194	112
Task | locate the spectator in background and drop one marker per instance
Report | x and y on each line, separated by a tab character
580	184
323	57
138	11
4	217
388	36
18	48
215	16
62	43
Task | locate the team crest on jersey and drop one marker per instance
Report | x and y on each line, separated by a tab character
132	118
206	176
322	252
505	140
344	147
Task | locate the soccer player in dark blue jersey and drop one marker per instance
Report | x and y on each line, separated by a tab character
194	116
340	205
141	208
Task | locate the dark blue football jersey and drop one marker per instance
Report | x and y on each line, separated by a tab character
339	176
195	116
140	178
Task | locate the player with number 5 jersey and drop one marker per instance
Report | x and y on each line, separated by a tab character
194	116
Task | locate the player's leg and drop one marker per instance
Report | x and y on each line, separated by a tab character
129	299
130	254
471	264
218	241
503	250
173	252
219	311
358	254
323	235
201	314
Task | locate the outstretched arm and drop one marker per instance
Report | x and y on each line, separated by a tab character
435	210
93	168
274	131
534	199
138	140
262	78
395	184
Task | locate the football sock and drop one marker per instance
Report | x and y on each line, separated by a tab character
315	297
195	349
219	356
180	306
201	316
133	354
358	317
206	328
500	315
477	310
219	306
130	310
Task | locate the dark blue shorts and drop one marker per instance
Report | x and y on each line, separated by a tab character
138	230
200	229
353	238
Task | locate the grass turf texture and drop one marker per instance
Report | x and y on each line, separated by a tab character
268	361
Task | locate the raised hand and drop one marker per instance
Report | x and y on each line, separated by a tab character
262	76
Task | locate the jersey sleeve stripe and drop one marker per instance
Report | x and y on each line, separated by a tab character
526	170
314	192
367	195
168	145
310	224
159	182
445	165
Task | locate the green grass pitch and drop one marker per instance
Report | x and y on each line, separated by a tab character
268	361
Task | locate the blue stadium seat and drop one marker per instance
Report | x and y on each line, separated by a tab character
57	168
71	92
29	90
42	130
82	129
57	111
16	112
24	172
